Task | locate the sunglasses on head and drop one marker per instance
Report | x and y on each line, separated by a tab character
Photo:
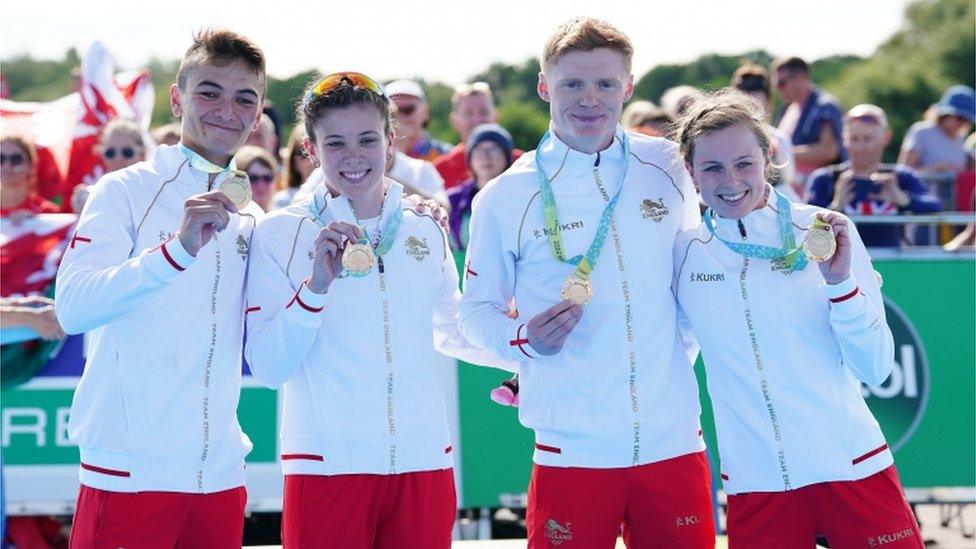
126	152
333	81
15	159
267	178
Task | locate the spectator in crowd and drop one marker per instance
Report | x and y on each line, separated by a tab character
264	136
297	168
937	145
753	80
675	101
413	115
168	134
158	266
363	467
489	153
787	341
590	220
811	117
646	118
18	198
471	105
865	186
121	145
262	171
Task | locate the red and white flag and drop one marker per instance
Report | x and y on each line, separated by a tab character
67	129
31	250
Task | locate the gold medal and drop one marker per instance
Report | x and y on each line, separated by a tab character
578	290
237	187
358	259
820	243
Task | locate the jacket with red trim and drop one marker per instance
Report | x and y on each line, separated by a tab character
156	405
357	364
785	355
621	392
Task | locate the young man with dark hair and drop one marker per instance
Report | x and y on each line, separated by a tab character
606	382
156	269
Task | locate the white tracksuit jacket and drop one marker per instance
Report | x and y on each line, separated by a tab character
785	355
621	392
156	407
357	363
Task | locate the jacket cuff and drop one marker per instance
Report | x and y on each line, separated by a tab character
845	297
176	255
306	300
520	344
167	260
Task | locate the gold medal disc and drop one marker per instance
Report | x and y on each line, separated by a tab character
357	259
820	243
577	290
237	188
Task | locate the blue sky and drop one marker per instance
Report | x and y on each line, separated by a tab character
447	40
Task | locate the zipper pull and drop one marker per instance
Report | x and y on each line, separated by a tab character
742	228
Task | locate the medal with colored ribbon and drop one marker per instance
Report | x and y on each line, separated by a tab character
819	244
577	287
236	186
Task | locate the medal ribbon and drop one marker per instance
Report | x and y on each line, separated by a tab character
584	264
202	163
794	256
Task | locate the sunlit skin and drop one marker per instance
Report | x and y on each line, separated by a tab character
728	165
793	86
118	141
471	111
219	106
262	184
14	180
586	91
487	162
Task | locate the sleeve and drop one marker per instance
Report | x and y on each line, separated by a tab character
448	339
690	212
857	318
820	192
98	282
281	323
688	339
489	287
433	183
922	199
911	141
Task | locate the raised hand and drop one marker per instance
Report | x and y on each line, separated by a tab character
548	330
327	262
203	215
838	268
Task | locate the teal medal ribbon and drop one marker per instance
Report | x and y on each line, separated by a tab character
793	255
584	263
202	163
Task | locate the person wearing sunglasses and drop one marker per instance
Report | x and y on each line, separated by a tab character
157	265
121	145
262	171
18	197
412	117
787	307
810	116
350	295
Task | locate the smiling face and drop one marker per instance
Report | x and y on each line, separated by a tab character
586	91
352	149
729	166
220	106
471	111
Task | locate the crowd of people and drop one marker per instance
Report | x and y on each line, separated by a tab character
593	267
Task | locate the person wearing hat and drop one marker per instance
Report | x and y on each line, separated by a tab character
937	144
489	152
413	115
865	186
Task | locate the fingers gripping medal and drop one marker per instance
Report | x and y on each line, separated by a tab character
237	187
358	259
820	243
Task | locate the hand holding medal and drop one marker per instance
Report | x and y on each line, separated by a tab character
330	248
830	230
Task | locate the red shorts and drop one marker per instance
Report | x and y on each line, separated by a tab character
158	519
408	510
662	504
870	512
